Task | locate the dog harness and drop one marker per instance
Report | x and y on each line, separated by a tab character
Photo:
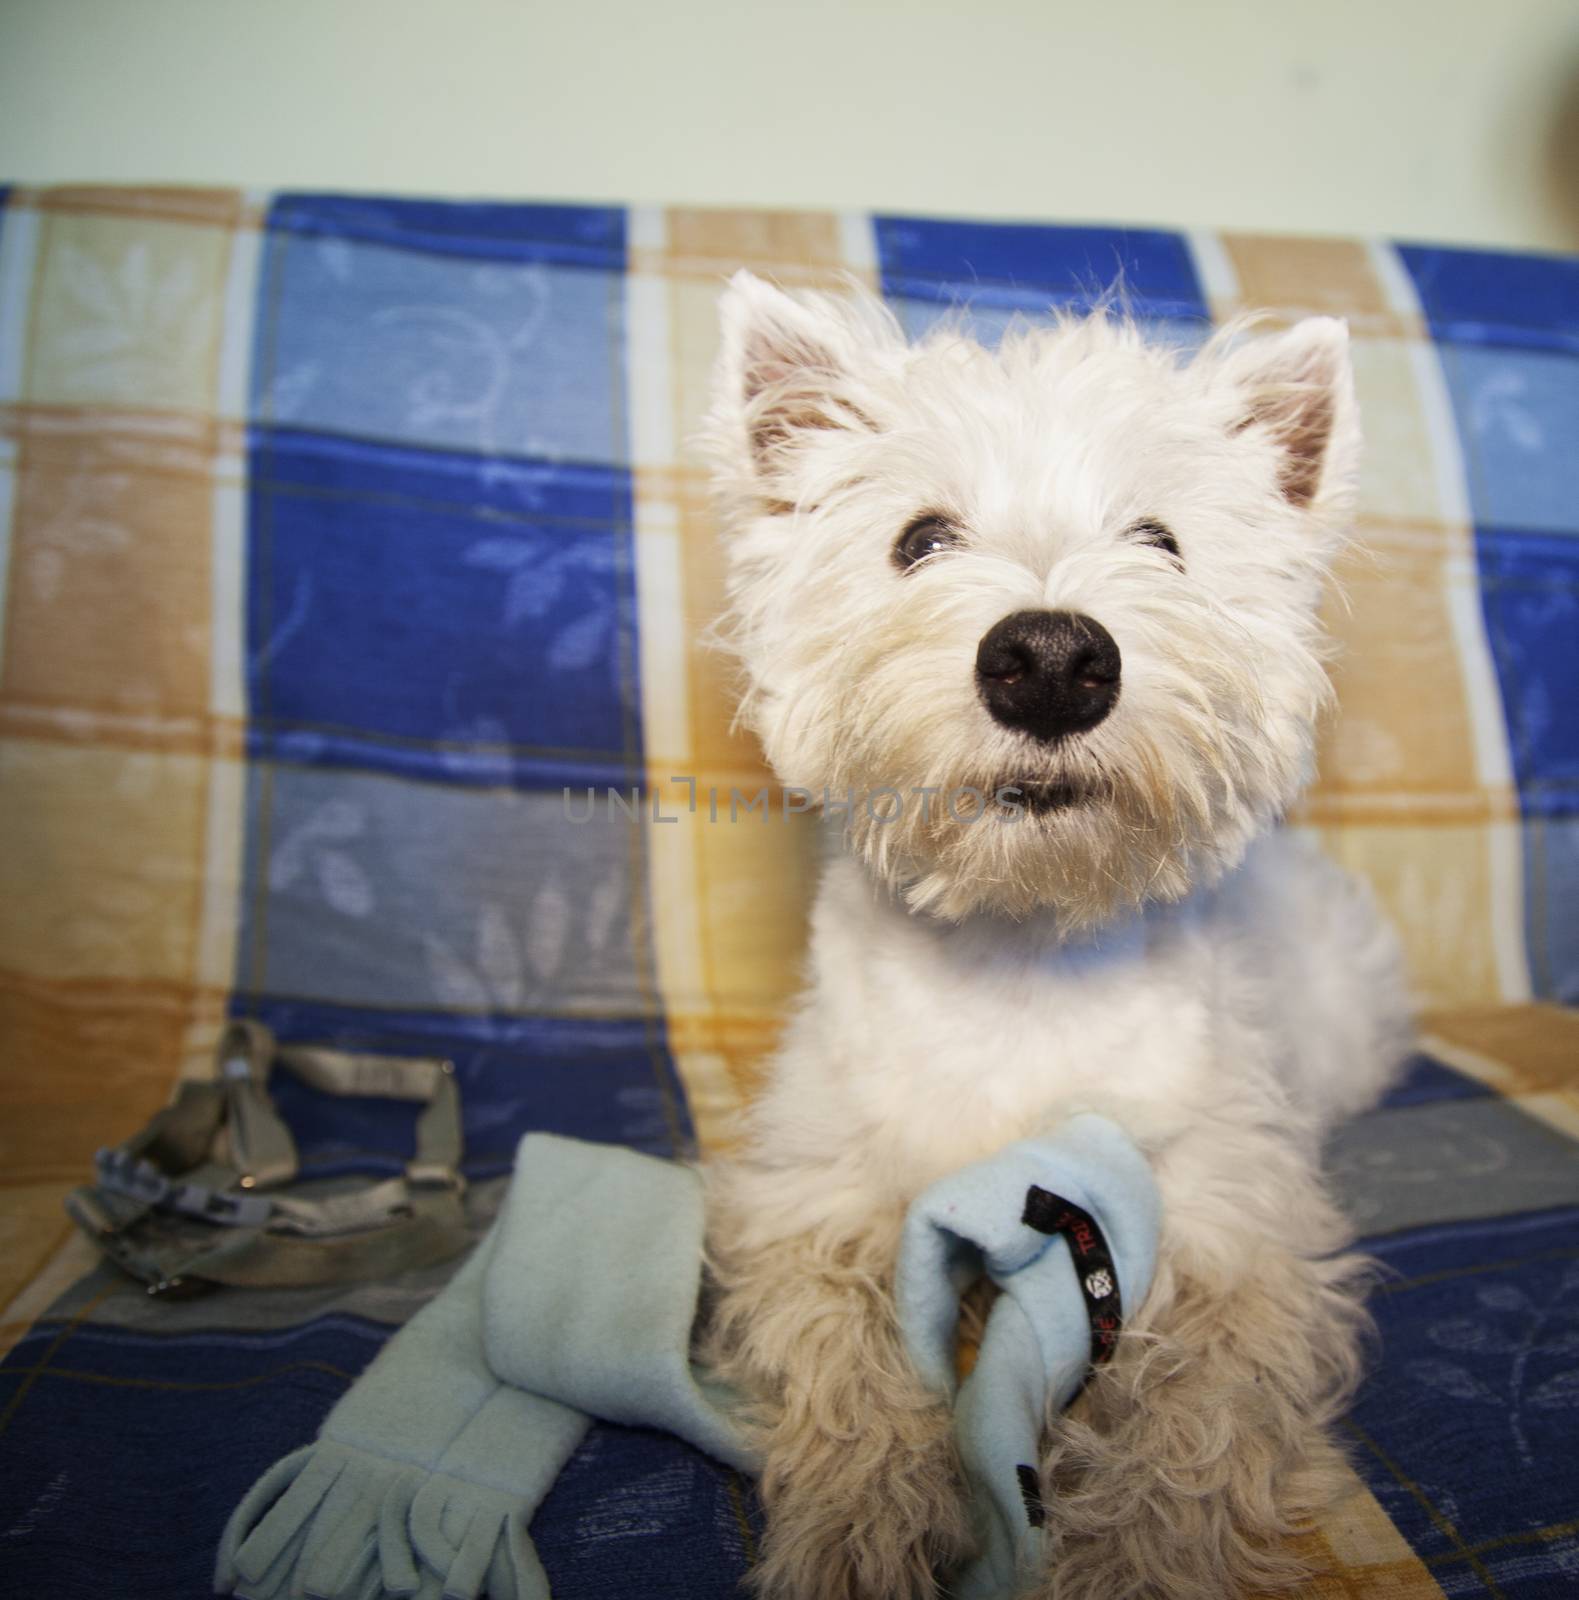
203	1194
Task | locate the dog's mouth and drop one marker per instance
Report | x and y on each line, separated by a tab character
1043	799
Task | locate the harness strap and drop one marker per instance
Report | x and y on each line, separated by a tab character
438	1146
260	1144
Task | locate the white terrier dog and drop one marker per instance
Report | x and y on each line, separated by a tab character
1062	598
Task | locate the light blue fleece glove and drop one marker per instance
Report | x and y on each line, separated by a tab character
422	1479
425	1476
994	1217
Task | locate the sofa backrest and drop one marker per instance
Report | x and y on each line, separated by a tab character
344	534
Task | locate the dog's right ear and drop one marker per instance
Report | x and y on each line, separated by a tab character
789	369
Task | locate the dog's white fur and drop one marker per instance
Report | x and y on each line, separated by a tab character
1156	953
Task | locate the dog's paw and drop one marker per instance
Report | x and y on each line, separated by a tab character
873	1514
1197	1555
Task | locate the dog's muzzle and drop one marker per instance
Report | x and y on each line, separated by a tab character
1048	673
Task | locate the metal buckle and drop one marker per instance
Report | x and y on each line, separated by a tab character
179	1288
434	1177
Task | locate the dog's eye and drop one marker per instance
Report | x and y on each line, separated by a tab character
1158	537
926	536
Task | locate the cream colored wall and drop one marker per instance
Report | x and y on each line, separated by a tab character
1444	119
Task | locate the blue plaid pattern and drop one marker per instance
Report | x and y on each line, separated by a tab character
463	558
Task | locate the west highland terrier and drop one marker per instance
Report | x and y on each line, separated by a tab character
1043	621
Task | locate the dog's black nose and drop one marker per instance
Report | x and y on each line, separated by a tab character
1048	673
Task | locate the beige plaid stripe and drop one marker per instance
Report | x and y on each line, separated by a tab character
1357	1554
1414	789
124	321
1529	1054
730	899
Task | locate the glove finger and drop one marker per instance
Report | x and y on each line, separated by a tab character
290	1513
431	1509
343	1536
369	1586
263	1493
275	1582
464	1580
516	1573
397	1565
351	1577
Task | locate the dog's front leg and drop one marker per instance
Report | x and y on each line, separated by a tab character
859	1480
1206	1440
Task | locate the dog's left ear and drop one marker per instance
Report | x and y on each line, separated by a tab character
789	368
1295	390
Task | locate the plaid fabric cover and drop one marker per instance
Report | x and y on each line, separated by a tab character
339	535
